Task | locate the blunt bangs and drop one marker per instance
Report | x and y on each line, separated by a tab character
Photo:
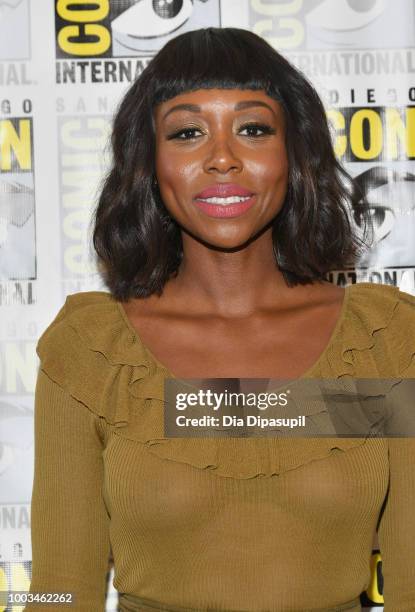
214	58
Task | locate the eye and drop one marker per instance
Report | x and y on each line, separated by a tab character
380	215
167	9
382	219
254	128
184	134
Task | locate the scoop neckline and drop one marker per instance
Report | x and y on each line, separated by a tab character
306	374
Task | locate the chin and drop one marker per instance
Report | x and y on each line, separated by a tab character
232	242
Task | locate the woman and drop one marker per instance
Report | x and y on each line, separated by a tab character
223	211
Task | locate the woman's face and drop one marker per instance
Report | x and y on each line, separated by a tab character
221	163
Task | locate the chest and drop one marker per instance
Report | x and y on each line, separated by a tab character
283	346
342	487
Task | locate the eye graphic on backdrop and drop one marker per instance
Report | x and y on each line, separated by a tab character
383	220
15	442
346	25
349	14
391	198
167	9
148	19
145	25
17	202
17	232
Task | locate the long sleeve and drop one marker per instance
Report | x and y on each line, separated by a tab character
397	528
70	525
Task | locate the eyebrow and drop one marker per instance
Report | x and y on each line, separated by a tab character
195	108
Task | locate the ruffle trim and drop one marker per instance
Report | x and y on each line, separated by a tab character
91	351
248	458
370	311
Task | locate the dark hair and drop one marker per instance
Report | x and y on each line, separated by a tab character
139	245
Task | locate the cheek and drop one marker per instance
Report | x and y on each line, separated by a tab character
175	173
164	166
271	170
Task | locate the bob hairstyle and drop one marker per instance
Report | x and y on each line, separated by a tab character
139	245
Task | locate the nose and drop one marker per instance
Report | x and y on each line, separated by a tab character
222	157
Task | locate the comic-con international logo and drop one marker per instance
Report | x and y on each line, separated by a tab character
126	28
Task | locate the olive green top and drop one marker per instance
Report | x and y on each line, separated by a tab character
257	524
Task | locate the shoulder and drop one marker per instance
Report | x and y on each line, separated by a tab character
379	324
86	345
379	302
80	317
79	304
378	292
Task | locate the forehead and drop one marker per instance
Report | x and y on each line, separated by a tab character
213	100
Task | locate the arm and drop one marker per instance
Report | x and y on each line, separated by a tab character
397	528
70	540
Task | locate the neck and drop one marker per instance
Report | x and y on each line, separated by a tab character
228	283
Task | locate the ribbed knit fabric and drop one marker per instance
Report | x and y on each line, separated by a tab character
259	524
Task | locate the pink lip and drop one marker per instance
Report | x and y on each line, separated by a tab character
228	211
223	190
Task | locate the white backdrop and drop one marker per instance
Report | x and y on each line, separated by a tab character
63	68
